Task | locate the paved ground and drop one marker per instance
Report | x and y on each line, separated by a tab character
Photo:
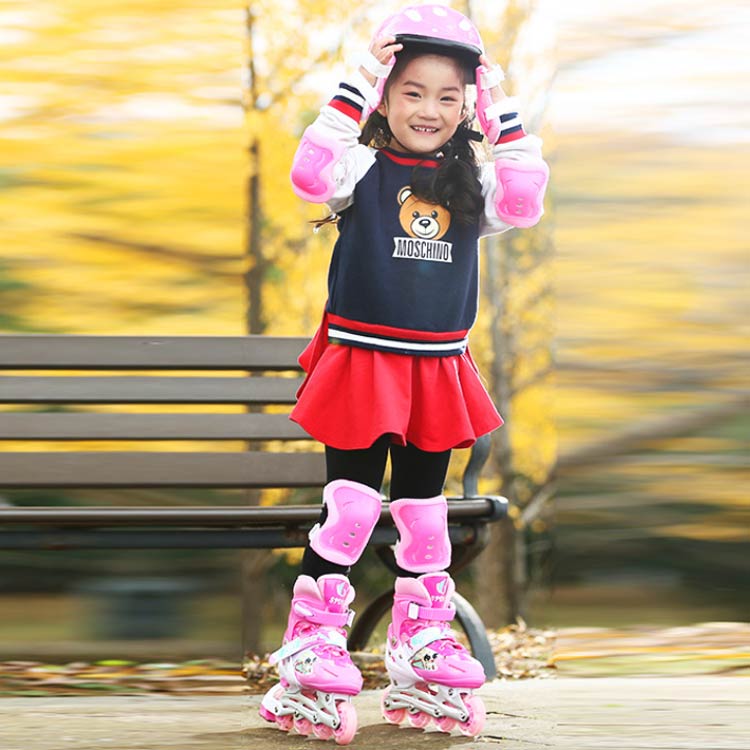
608	713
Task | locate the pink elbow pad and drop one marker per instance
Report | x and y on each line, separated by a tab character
424	545
353	511
313	164
520	191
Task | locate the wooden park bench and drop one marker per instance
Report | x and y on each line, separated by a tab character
50	384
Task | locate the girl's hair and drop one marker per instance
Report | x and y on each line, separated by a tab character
455	183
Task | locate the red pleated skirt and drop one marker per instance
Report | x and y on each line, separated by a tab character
351	396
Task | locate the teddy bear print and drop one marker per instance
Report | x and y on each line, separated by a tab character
420	219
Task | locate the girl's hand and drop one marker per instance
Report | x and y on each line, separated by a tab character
383	50
496	92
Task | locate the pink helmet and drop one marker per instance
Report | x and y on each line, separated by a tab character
433	28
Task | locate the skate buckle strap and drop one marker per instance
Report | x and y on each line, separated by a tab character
415	611
331	637
322	617
294	646
425	637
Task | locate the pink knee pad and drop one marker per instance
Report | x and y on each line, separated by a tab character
313	164
353	511
424	546
520	191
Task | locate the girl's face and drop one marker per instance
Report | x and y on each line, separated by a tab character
424	105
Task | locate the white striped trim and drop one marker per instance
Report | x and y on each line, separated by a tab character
351	96
506	106
437	346
371	95
496	110
511	123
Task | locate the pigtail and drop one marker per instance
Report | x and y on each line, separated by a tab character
455	183
375	131
318	224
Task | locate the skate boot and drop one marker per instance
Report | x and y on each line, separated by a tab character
318	678
432	675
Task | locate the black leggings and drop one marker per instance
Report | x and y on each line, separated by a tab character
414	473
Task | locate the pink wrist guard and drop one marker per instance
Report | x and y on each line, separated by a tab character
424	546
487	111
313	164
353	511
519	197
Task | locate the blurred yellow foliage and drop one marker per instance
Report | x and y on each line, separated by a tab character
124	176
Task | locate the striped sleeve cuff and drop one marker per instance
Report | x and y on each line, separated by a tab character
511	128
349	101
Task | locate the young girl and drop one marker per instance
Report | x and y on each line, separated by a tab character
389	372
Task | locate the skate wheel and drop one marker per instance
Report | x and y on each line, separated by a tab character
419	720
322	731
348	726
477	716
391	715
285	722
396	716
303	726
445	723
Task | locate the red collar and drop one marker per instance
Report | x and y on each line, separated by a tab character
409	160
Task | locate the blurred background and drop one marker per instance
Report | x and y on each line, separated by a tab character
144	159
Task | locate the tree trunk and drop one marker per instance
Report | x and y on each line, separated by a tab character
498	562
256	272
254	563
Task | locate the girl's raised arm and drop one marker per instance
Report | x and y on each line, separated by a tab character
514	187
329	160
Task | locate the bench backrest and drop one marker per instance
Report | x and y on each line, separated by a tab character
52	386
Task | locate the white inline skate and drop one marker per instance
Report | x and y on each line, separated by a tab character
432	675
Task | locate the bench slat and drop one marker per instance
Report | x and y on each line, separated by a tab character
38	352
160	469
134	389
477	509
61	426
262	538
